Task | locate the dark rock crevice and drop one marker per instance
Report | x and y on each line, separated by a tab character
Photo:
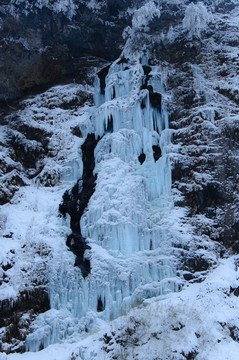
155	100
110	125
156	152
154	97
102	75
75	202
100	305
142	158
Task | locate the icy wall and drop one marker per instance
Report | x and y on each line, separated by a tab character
125	223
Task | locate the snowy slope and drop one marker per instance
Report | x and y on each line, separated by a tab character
201	322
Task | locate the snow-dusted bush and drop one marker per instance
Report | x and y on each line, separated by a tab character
67	7
136	34
144	15
95	4
196	19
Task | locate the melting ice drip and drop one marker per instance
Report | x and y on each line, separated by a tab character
125	223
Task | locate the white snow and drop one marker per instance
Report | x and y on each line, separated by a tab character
200	319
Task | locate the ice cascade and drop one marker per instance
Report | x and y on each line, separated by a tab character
126	220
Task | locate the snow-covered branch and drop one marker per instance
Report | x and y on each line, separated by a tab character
144	15
196	19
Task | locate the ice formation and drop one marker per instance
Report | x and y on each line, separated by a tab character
125	222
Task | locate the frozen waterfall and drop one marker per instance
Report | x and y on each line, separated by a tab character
125	222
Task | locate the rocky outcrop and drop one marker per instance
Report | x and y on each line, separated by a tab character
45	44
28	137
24	284
26	146
16	317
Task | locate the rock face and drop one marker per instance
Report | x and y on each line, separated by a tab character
28	138
46	43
